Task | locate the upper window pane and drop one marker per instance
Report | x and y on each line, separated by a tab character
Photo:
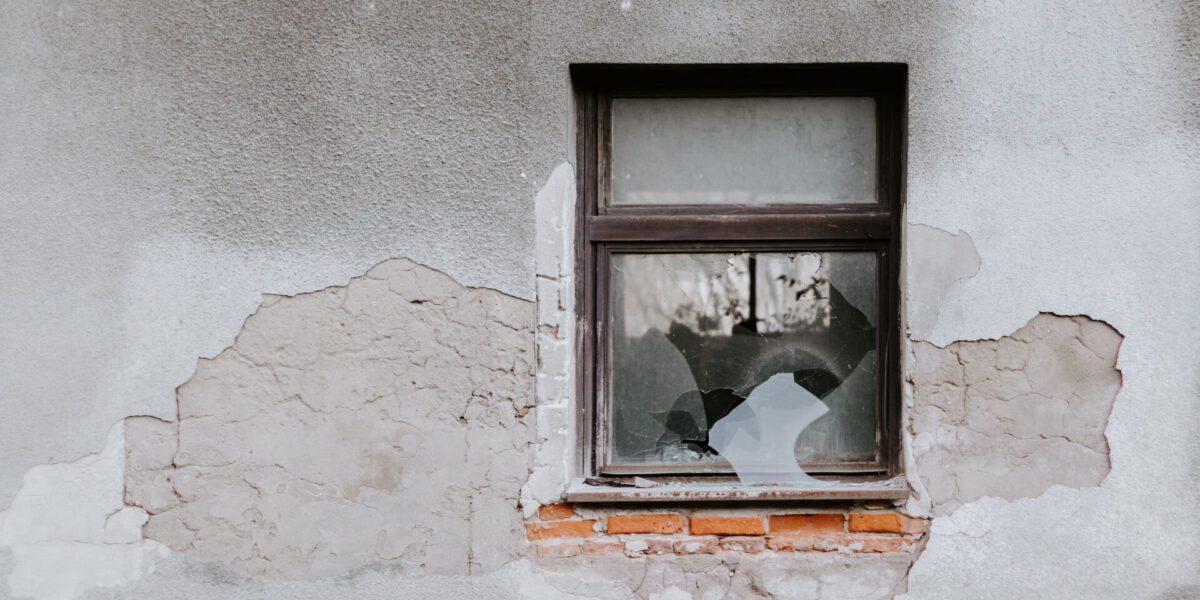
784	150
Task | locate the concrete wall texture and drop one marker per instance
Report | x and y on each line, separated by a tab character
275	276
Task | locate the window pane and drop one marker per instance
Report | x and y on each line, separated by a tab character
743	150
695	335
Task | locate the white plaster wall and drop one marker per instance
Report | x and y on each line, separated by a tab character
161	165
1080	188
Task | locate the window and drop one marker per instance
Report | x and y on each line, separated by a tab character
738	252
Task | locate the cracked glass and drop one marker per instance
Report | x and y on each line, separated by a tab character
755	362
755	151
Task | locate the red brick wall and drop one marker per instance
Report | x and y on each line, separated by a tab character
561	531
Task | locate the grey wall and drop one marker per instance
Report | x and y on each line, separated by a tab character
162	164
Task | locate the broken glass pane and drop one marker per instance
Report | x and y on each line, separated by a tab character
758	437
696	336
743	150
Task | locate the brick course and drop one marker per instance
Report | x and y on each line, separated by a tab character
560	533
885	523
551	512
560	529
807	525
651	523
727	526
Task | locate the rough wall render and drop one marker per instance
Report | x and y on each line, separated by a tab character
1012	417
387	420
829	576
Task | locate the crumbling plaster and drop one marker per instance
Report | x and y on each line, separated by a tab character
554	454
1012	417
380	421
942	261
164	164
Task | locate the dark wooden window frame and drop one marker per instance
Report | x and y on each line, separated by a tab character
603	229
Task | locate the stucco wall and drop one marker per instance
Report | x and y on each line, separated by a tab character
163	165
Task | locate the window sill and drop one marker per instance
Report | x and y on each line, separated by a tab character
892	489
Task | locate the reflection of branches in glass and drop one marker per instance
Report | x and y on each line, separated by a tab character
733	309
808	300
752	293
811	288
724	297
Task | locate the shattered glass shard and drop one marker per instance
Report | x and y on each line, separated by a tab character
679	420
758	438
821	357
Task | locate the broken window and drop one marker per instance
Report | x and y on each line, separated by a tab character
739	253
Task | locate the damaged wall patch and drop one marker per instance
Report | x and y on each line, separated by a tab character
69	530
1012	417
941	261
381	421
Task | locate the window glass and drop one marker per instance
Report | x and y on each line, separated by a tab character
696	336
775	150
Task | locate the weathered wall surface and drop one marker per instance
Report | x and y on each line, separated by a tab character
162	166
1012	417
384	420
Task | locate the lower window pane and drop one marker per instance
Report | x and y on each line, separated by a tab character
695	335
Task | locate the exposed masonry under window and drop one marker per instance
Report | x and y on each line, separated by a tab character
738	245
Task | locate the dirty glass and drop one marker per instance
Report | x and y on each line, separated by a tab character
743	150
759	360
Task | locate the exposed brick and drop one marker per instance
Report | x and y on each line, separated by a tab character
876	543
653	546
659	546
830	543
560	529
885	523
603	548
727	526
806	525
789	544
649	523
749	545
552	512
697	545
558	550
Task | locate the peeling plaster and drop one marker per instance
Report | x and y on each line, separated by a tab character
554	208
317	447
69	530
1013	416
386	420
938	263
